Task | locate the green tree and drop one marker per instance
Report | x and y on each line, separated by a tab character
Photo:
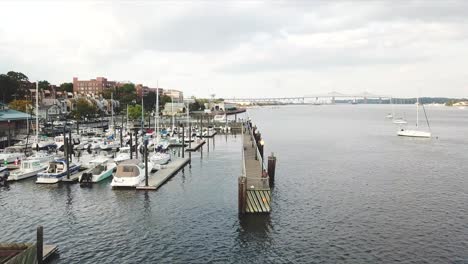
43	85
83	109
134	112
66	87
20	105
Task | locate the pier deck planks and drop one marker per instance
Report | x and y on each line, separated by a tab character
157	179
196	145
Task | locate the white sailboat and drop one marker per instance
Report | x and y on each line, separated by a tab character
415	132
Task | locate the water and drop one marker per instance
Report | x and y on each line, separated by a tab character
347	190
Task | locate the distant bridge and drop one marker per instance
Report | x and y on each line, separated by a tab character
301	99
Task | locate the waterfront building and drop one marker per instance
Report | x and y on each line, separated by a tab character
142	90
94	86
173	109
12	123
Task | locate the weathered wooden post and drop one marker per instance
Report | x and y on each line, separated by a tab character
70	145
272	168
242	190
40	244
131	145
183	141
136	143
65	151
121	136
78	126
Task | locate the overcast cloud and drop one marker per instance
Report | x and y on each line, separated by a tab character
244	49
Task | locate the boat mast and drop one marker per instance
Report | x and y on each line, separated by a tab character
112	112
172	110
156	116
142	114
127	118
417	111
37	112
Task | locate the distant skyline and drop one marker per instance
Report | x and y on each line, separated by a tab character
244	49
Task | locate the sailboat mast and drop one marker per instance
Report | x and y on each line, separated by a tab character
112	112
127	117
37	112
156	116
172	110
142	113
417	111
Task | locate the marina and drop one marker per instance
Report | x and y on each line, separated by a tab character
157	179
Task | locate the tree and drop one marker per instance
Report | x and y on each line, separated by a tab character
66	87
20	105
43	85
83	109
127	88
134	112
18	76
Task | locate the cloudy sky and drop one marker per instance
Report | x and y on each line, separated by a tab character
244	49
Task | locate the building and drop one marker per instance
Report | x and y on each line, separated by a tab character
12	123
222	106
173	109
177	95
94	86
145	90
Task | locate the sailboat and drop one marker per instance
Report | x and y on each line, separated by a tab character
416	132
158	156
397	120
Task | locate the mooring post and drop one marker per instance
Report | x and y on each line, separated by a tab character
242	193
272	168
40	245
121	137
131	145
183	141
136	143
70	150
146	162
190	134
65	151
78	126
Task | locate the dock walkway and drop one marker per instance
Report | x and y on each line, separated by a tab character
157	179
255	192
195	145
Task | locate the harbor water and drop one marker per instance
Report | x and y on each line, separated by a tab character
347	190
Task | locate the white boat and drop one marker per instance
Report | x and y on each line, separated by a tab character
389	116
219	118
130	173
56	171
11	154
160	158
124	154
99	170
416	132
43	143
30	167
399	121
109	144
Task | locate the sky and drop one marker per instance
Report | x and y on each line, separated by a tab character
244	48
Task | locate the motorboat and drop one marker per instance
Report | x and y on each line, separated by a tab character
12	154
44	143
31	166
124	154
130	173
4	173
219	118
99	170
160	158
109	144
56	171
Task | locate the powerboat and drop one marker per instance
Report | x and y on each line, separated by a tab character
160	158
219	118
99	170
56	171
4	173
31	166
124	154
11	154
130	173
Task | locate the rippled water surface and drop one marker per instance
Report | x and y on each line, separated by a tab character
347	190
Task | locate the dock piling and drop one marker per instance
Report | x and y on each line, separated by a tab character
272	168
40	244
183	141
131	145
146	162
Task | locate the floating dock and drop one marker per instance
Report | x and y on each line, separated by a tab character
254	184
157	179
210	134
196	146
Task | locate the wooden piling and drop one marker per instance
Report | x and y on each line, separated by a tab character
65	149
183	141
146	162
131	145
271	168
242	190
40	244
136	143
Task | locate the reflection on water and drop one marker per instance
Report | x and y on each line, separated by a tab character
347	190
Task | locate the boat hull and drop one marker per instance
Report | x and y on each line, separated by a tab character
414	133
25	175
49	178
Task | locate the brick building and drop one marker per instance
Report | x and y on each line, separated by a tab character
94	86
145	90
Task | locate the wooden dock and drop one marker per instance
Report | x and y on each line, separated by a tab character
254	186
157	179
196	145
73	178
48	251
210	134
